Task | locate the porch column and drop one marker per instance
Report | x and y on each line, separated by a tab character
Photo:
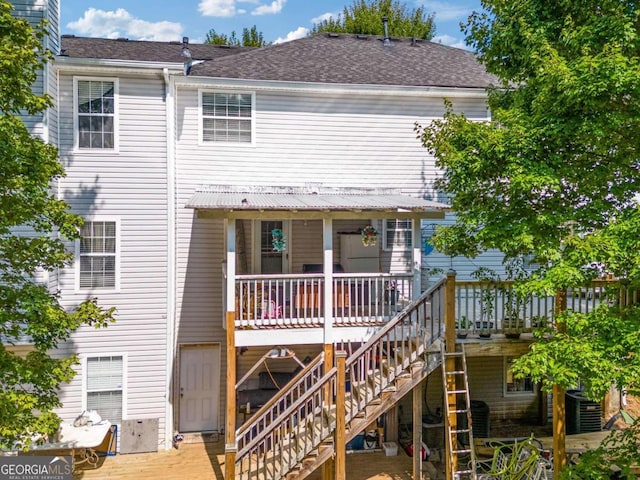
559	412
327	229
230	448
329	468
416	259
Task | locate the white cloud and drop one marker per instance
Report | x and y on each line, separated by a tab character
450	41
299	32
323	17
273	7
120	23
218	8
447	10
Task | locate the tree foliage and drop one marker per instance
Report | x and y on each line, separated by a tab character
554	175
365	17
28	166
251	37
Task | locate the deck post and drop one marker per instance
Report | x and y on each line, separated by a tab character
340	442
328	467
417	430
230	448
559	411
451	421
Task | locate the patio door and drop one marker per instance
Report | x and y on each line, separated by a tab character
199	388
271	246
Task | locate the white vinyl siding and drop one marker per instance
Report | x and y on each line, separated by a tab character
226	117
397	234
130	187
105	386
97	255
96	113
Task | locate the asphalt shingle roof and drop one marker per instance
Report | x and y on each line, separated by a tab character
140	50
355	59
321	58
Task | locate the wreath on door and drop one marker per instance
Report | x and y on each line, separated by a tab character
369	236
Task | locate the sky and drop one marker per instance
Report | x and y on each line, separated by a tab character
278	20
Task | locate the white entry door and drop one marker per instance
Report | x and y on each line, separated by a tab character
199	388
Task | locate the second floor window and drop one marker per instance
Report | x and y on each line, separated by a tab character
98	255
96	104
227	117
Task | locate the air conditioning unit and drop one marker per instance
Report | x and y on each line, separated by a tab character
583	415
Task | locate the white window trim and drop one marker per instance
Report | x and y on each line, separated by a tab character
399	248
116	115
85	371
507	393
201	141
98	291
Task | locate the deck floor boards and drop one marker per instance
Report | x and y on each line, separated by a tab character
206	461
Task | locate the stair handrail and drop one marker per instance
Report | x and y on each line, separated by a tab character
397	345
396	320
276	404
289	412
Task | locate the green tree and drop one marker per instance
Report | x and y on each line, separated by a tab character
28	168
251	37
554	174
365	17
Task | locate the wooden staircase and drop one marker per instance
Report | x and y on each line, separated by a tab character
294	433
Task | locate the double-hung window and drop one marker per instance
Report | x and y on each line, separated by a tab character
104	386
397	234
97	253
227	117
96	113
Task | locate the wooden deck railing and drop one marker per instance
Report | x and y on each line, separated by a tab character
272	301
497	308
310	419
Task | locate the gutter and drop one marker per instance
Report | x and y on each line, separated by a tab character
338	88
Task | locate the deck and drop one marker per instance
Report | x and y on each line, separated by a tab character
206	460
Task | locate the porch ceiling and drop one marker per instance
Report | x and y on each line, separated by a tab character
311	202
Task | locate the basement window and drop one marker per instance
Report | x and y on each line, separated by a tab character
513	385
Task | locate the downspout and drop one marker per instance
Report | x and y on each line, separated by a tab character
169	85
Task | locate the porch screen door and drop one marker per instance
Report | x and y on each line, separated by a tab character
271	260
